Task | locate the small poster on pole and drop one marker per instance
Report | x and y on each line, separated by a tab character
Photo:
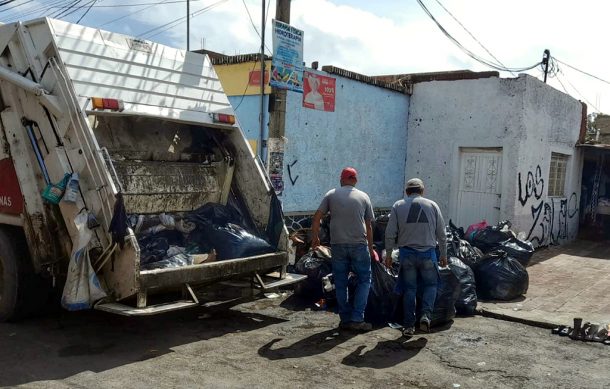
287	63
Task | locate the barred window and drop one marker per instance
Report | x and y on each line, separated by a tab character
557	174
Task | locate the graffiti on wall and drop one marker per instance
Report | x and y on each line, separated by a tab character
551	216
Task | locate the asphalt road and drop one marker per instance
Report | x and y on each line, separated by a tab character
269	343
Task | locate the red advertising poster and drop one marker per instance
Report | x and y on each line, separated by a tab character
318	92
255	77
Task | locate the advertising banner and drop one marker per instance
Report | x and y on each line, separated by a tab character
318	92
287	63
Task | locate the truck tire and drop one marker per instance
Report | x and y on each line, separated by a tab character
22	292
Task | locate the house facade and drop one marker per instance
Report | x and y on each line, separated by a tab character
499	149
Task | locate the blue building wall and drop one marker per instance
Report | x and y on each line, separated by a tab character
368	131
247	111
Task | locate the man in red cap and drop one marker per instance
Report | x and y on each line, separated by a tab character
351	240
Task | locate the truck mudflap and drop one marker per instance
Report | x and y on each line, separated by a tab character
267	272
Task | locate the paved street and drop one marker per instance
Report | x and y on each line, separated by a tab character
270	343
565	282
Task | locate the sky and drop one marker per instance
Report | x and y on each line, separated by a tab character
377	37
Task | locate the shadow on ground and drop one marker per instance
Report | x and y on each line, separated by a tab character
315	344
385	354
60	346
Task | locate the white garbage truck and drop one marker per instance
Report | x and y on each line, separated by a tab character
137	132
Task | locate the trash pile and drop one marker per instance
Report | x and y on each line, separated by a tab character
486	262
210	233
500	260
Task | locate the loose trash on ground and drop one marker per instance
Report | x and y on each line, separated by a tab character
585	331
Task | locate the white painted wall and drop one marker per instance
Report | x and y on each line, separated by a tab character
368	131
523	116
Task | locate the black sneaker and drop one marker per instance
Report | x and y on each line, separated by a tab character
360	326
424	324
408	331
345	325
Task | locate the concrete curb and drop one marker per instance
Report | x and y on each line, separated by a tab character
530	322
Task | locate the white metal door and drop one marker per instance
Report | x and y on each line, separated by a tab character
479	194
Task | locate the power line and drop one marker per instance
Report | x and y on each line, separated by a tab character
6	2
581	71
64	10
160	29
252	22
468	52
472	36
131	13
86	12
15	6
577	91
32	10
136	5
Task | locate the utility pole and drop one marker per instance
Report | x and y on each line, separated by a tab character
262	115
277	116
546	57
188	25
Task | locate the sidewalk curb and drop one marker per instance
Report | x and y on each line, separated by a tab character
535	323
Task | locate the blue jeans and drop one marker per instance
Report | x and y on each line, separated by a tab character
412	264
355	258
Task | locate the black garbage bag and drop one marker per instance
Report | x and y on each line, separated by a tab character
490	237
462	250
232	241
466	303
521	250
382	299
177	260
447	294
500	277
152	249
215	214
315	269
381	222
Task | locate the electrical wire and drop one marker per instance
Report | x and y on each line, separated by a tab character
582	71
472	36
577	91
15	6
86	12
254	25
65	10
139	4
134	12
6	2
468	52
176	22
32	9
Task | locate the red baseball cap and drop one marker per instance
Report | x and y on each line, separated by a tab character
349	172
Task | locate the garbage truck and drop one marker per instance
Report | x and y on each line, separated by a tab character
135	132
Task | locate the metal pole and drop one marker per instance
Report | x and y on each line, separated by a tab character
545	61
262	115
188	25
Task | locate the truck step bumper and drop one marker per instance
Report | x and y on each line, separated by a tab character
126	310
271	281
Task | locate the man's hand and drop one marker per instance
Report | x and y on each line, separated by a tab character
372	253
443	262
388	260
315	242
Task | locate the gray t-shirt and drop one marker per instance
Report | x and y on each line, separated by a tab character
349	209
416	222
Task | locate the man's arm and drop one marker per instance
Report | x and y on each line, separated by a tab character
391	232
441	237
315	229
369	238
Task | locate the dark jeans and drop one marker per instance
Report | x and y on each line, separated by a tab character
355	258
412	264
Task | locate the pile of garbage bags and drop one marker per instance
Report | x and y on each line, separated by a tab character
498	258
211	232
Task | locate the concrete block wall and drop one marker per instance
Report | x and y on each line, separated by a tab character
368	131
